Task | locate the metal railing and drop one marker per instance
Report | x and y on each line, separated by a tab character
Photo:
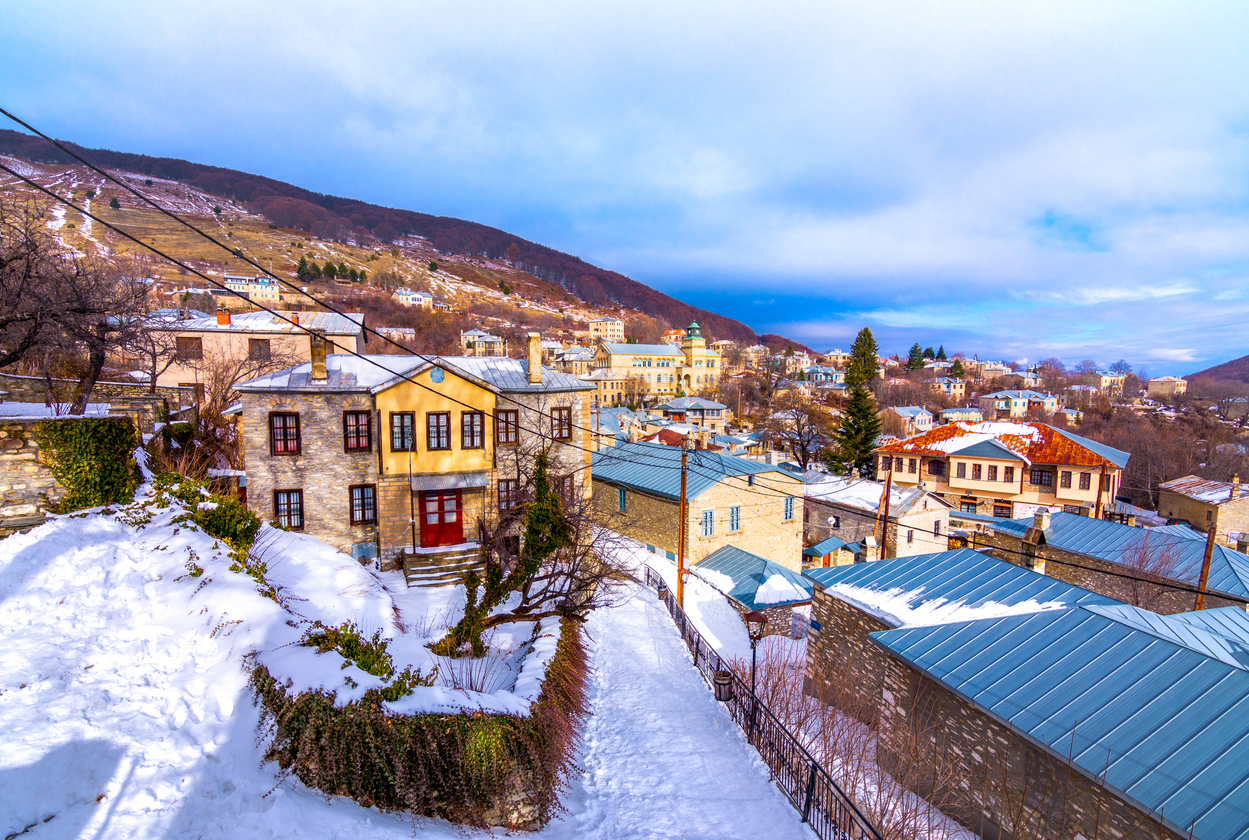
809	787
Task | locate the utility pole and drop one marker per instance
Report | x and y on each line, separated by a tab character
1205	567
681	528
1101	488
884	537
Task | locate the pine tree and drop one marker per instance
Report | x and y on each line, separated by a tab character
862	367
855	438
342	270
114	203
956	370
302	271
329	271
364	275
915	359
941	357
929	353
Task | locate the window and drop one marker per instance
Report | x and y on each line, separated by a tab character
910	537
509	492
283	433
975	472
1002	511
967	507
288	508
1086	481
438	430
936	468
1008	474
506	427
834	522
561	423
911	466
789	508
188	349
258	349
992	472
363	504
1042	478
565	488
750	481
402	431
357	431
472	430
1064	479
936	529
897	464
960	470
708	523
735	518
622	501
1208	516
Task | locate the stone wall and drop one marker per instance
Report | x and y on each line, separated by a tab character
27	489
1228	518
1098	575
1002	785
844	668
33	389
911	533
780	618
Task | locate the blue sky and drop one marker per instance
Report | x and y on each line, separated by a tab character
1018	180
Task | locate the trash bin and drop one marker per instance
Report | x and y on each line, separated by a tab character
723	682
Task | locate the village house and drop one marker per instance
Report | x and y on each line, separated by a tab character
838	359
202	342
607	329
396	459
263	291
574	361
911	419
723	346
1007	469
1158	568
1092	721
988	371
411	297
707	414
611	388
1110	384
730	501
753	584
955	389
755	356
1166	388
667	370
850	510
959	415
822	373
479	343
1206	504
1011	405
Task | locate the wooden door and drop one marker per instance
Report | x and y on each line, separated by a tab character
442	520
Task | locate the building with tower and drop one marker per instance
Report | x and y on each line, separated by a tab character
665	370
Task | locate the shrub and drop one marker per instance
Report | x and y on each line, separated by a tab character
230	521
92	458
114	203
369	655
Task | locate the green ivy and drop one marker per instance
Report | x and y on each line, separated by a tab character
92	458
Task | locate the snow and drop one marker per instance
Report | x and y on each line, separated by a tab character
778	589
126	710
902	608
39	411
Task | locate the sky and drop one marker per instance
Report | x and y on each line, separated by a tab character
1014	180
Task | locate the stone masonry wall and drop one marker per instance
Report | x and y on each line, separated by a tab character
780	618
1227	518
27	489
844	668
998	778
910	535
31	389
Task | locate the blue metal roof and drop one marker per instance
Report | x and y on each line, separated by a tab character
1166	723
656	469
688	403
825	546
964	576
1228	622
1110	541
749	572
644	349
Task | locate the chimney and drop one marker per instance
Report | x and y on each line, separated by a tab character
223	317
317	344
294	319
1041	519
534	357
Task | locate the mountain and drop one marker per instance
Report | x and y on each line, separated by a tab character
335	218
1236	370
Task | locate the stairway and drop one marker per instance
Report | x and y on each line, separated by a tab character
444	566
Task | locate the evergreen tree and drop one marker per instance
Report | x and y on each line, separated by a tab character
789	351
941	357
915	359
329	271
114	203
929	353
855	438
342	270
364	275
353	275
956	370
862	367
302	271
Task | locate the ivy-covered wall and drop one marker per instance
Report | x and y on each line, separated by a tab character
28	491
91	457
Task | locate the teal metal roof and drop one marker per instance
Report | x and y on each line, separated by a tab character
1228	622
963	576
1111	541
749	572
656	469
825	546
1162	719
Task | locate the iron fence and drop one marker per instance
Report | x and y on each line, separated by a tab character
809	787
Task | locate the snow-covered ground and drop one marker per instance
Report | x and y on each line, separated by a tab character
126	711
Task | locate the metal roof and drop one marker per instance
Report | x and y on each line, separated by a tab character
687	403
656	469
749	572
1165	723
513	374
963	576
1205	490
1017	395
1037	442
824	546
990	449
1117	543
351	323
1228	622
644	349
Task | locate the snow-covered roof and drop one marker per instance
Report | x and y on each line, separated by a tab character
644	349
911	411
751	580
1205	490
26	411
351	323
1017	395
1035	442
867	495
688	403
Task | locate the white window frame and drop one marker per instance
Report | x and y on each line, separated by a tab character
735	518
708	524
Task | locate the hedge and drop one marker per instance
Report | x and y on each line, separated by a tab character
92	458
472	768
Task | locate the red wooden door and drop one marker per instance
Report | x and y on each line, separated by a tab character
442	520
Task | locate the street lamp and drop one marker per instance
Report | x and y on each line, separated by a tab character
755	622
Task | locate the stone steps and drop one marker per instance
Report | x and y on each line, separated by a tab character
441	569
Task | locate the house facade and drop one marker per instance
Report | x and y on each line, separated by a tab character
849	509
1166	387
915	419
411	297
1007	469
706	414
955	389
480	343
666	369
1205	504
607	329
1011	405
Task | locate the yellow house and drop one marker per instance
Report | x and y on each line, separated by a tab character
607	329
665	370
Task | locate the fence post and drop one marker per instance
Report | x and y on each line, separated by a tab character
806	800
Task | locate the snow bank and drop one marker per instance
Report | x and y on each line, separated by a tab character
900	608
778	589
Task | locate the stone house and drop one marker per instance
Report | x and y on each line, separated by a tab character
1092	721
1007	469
751	583
730	501
959	415
1159	568
851	602
1012	405
706	414
1206	504
913	419
955	389
411	297
849	509
1166	388
391	458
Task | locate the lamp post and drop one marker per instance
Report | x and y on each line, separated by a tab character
755	622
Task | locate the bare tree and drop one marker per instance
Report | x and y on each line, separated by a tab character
1151	561
801	427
